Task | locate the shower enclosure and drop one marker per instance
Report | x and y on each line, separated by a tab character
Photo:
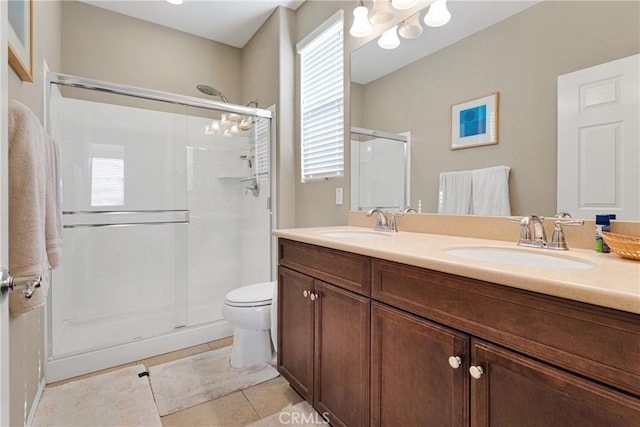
166	208
379	169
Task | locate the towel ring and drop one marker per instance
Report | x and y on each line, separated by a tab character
27	284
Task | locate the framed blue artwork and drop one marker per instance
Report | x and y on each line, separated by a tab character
20	37
475	122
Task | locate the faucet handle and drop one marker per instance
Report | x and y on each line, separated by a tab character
558	241
524	221
392	220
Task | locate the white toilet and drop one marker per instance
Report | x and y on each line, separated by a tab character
252	312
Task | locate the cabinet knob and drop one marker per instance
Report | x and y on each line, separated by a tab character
455	362
305	293
476	372
313	296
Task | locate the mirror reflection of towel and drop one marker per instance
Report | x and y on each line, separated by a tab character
490	191
454	195
475	192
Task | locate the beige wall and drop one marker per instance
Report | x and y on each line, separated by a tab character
267	75
521	59
104	45
27	352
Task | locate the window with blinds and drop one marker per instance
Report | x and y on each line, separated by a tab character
322	101
262	138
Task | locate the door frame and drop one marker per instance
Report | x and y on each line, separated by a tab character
4	221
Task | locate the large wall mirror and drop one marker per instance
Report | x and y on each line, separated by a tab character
515	48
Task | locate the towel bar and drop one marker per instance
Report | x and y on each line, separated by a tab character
27	284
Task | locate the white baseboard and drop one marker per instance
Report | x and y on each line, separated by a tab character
36	402
72	366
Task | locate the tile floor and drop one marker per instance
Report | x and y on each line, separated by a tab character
235	409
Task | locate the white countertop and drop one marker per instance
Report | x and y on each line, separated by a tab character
612	282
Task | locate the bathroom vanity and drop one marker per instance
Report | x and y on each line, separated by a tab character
390	331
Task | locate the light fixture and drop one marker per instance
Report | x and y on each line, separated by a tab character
175	1
411	28
361	26
438	15
404	4
389	39
382	13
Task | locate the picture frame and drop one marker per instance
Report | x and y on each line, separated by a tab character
474	123
20	37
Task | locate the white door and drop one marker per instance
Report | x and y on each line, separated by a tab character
4	241
599	140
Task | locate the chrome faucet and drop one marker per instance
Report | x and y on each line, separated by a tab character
533	235
532	232
381	221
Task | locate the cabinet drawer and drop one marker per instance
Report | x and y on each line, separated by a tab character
344	269
600	343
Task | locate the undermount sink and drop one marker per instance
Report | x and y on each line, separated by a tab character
517	257
354	234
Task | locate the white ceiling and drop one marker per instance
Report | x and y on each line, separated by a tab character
232	22
371	62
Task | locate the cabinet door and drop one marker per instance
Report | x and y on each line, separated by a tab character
341	355
412	382
514	390
295	330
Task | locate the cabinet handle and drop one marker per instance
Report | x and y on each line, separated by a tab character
476	372
455	362
313	296
305	293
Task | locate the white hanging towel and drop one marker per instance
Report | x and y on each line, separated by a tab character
35	210
490	191
454	195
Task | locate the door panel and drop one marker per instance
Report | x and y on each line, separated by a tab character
517	391
4	224
598	140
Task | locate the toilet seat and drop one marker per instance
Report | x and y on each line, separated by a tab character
258	295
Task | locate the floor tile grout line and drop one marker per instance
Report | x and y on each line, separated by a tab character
250	404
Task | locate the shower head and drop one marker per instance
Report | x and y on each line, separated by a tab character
208	90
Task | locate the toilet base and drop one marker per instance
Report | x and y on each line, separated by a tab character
250	347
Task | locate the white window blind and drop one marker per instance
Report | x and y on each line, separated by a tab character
322	101
262	138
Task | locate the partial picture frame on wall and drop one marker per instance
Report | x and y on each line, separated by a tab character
474	122
20	36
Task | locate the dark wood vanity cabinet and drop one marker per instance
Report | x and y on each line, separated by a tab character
412	382
446	350
323	344
515	390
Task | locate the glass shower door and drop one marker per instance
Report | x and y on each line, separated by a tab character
123	275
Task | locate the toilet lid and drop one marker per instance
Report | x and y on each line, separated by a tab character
258	294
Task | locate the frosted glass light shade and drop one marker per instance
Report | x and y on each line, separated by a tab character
174	1
438	14
361	26
411	28
389	39
382	12
403	4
